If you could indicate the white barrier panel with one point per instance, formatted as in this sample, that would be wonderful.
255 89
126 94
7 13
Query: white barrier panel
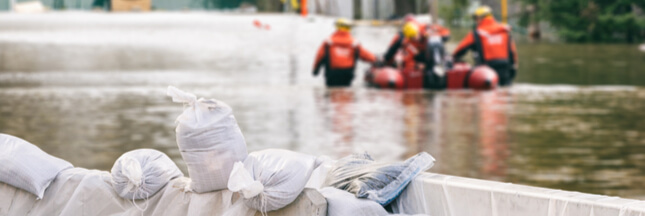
440 195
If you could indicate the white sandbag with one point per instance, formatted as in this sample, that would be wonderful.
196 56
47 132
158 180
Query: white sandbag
141 173
341 203
319 175
25 166
209 140
271 179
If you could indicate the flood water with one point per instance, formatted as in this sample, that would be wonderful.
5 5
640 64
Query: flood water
89 92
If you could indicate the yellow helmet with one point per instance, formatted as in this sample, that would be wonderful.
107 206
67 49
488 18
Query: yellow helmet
482 11
410 30
343 24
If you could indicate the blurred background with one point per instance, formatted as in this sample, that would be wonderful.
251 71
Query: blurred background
85 80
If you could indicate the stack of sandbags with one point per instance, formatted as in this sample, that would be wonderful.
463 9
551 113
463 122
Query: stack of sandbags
25 166
209 140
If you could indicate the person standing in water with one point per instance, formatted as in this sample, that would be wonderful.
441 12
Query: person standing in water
492 45
338 55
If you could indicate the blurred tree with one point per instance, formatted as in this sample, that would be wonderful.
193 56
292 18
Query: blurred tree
403 7
268 5
453 12
592 20
101 4
59 4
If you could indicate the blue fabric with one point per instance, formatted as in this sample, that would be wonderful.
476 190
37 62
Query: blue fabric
382 183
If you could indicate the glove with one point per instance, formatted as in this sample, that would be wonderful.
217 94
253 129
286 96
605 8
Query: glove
378 63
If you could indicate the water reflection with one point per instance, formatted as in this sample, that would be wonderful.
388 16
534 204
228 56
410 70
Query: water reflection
470 133
583 139
341 119
581 64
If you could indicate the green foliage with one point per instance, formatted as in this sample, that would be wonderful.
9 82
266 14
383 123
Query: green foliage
455 11
583 21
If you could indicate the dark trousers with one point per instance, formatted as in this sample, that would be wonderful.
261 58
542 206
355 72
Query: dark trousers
433 81
434 56
504 72
339 77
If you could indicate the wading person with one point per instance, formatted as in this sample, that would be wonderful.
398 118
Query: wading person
435 56
492 45
338 55
412 44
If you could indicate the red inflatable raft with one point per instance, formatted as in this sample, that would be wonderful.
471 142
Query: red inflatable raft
460 76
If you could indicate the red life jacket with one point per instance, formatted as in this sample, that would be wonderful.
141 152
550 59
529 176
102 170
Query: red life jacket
341 51
494 40
409 49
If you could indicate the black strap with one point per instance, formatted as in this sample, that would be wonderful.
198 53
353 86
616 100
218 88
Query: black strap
324 61
327 59
357 53
479 48
467 77
510 49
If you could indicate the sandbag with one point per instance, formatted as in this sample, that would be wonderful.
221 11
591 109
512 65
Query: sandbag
319 175
342 203
140 174
25 166
209 140
271 179
361 175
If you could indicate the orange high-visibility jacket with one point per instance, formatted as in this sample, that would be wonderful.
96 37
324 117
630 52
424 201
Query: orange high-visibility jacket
495 40
341 51
413 50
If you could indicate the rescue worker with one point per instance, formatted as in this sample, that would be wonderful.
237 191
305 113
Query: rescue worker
412 42
435 56
418 54
338 55
492 45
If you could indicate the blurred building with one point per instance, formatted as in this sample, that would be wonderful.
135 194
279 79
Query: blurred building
355 9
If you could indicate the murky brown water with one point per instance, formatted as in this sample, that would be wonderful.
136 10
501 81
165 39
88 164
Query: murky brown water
584 138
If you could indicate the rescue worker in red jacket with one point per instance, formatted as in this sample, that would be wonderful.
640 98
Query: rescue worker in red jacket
338 55
492 45
412 43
